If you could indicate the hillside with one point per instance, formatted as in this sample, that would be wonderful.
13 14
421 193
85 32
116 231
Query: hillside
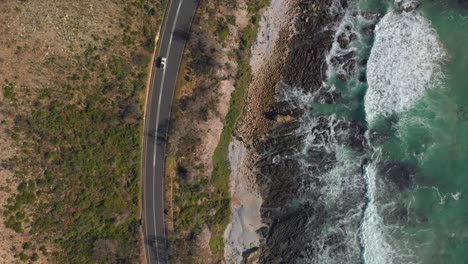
72 81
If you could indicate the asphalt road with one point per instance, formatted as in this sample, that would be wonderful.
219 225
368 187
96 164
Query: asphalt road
171 45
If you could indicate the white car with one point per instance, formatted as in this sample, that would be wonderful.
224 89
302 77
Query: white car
161 62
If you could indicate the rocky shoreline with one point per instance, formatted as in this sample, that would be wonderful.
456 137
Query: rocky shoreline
290 167
242 239
292 227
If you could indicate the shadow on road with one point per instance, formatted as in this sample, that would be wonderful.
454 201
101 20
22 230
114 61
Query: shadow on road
158 247
181 34
161 134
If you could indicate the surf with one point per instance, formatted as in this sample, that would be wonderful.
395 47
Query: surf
405 62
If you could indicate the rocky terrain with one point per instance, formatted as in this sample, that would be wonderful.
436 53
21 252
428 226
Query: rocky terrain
293 145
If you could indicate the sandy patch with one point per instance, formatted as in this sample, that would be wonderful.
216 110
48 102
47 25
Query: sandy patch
240 235
272 22
268 56
203 239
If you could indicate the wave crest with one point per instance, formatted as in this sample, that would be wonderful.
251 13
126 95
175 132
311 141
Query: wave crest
404 62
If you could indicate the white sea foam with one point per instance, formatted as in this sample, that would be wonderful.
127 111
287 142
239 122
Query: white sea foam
376 237
376 247
341 195
404 62
343 179
456 196
340 189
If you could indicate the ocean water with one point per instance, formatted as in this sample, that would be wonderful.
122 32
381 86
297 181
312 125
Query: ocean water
402 197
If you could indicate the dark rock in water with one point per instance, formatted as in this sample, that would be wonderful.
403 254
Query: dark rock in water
383 131
362 77
407 5
285 128
349 133
369 30
334 243
352 135
322 157
345 38
347 62
340 59
463 3
278 177
270 115
280 143
377 137
328 97
343 41
306 63
372 20
372 16
350 68
363 62
397 175
396 216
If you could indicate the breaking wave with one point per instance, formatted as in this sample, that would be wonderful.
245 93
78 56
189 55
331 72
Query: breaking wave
378 239
404 62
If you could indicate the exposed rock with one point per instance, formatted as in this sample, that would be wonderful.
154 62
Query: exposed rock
407 5
289 236
463 3
398 176
383 132
293 160
345 38
372 16
396 216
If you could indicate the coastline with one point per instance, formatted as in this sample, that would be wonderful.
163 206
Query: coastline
275 126
242 237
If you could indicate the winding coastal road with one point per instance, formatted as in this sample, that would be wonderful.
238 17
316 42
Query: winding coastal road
172 41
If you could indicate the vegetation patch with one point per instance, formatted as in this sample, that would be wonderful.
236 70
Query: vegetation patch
221 172
202 196
9 91
78 192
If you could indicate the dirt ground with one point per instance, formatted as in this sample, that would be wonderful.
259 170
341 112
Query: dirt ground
211 90
221 86
40 47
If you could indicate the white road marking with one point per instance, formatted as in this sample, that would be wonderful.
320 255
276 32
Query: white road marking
168 10
157 124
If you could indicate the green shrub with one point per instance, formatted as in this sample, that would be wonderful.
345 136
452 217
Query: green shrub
8 91
222 31
23 256
27 245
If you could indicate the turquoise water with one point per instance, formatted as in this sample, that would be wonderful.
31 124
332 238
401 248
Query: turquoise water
435 137
417 177
431 137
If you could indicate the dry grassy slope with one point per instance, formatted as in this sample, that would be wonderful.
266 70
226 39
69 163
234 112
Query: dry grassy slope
57 59
208 102
201 104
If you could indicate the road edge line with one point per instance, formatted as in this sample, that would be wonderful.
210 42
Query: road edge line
166 177
149 82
